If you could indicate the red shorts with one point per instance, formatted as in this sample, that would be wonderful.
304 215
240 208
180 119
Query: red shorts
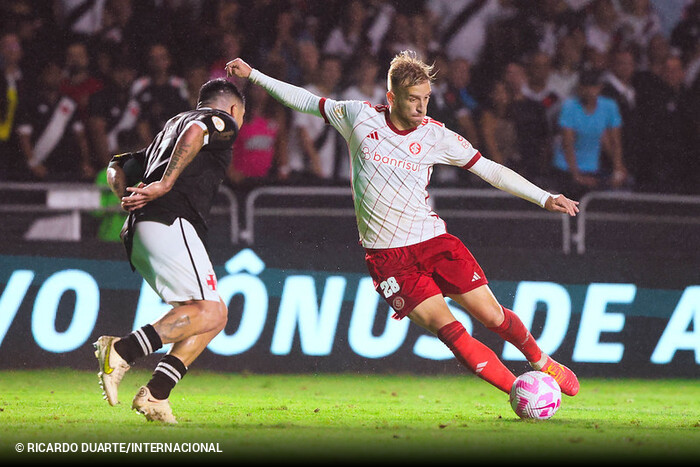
406 276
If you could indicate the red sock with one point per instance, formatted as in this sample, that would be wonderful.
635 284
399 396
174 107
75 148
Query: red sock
514 331
476 356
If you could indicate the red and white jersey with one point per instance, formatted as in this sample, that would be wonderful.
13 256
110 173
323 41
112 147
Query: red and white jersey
391 170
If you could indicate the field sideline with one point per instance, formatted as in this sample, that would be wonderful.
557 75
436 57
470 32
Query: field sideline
350 417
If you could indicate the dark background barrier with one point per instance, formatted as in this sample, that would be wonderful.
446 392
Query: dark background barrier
309 306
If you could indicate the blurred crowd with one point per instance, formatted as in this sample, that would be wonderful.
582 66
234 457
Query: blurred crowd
576 95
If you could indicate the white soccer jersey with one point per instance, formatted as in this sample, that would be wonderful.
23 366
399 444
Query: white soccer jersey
391 168
391 171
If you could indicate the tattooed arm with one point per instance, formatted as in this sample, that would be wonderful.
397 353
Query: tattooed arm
186 148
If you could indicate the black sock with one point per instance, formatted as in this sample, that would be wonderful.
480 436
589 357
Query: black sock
142 342
168 372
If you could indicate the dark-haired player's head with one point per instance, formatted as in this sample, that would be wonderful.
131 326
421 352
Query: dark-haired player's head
222 95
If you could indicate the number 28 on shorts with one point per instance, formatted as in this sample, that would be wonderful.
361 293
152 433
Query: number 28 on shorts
389 287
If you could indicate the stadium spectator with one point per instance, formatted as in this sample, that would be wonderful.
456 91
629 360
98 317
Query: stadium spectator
227 43
159 94
534 134
117 26
590 126
260 146
563 77
666 133
399 36
196 74
570 34
81 17
423 39
462 24
349 36
79 83
538 86
280 50
653 59
365 84
686 38
639 22
617 85
11 79
313 150
461 105
498 128
51 136
308 59
113 114
602 25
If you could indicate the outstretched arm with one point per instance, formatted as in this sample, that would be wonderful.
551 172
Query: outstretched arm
292 96
507 180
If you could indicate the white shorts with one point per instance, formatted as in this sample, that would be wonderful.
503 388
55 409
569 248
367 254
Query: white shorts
174 262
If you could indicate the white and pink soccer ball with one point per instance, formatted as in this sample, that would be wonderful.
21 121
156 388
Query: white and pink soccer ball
535 395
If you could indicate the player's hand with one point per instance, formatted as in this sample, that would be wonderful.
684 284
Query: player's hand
562 204
238 67
143 194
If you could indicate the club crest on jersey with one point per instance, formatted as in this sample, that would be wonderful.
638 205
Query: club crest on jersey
218 123
398 303
211 282
339 111
415 148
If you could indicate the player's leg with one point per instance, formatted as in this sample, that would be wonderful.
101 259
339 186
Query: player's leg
152 399
404 278
483 305
434 315
190 328
174 262
173 366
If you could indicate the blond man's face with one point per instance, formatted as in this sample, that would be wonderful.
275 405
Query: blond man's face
410 105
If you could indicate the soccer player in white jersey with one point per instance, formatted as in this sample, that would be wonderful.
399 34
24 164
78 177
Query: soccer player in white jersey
412 259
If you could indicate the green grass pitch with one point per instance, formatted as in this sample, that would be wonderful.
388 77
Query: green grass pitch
352 418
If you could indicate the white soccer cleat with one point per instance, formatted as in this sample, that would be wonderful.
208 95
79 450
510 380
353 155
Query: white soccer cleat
112 368
153 409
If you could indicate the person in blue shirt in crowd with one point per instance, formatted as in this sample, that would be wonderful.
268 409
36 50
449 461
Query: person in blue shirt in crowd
590 125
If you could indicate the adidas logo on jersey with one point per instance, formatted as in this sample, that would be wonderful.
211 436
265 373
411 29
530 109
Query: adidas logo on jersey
373 135
476 277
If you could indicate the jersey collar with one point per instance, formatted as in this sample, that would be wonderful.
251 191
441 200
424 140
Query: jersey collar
393 127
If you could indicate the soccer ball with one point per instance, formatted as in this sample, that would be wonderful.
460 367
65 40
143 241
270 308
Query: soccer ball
535 395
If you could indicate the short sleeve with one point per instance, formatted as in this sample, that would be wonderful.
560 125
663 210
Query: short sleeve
454 149
567 119
341 114
221 130
614 117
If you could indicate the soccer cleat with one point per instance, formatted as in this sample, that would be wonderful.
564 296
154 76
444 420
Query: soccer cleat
567 380
153 409
112 368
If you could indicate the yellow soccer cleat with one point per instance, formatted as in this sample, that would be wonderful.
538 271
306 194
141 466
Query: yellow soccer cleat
112 368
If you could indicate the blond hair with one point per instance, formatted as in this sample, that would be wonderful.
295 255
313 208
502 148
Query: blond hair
408 70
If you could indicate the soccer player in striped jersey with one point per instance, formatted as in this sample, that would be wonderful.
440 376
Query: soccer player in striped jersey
413 261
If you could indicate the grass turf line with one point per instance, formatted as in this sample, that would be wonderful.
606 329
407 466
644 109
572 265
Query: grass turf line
346 417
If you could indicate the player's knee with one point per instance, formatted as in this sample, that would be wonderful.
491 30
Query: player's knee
215 314
491 316
222 316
